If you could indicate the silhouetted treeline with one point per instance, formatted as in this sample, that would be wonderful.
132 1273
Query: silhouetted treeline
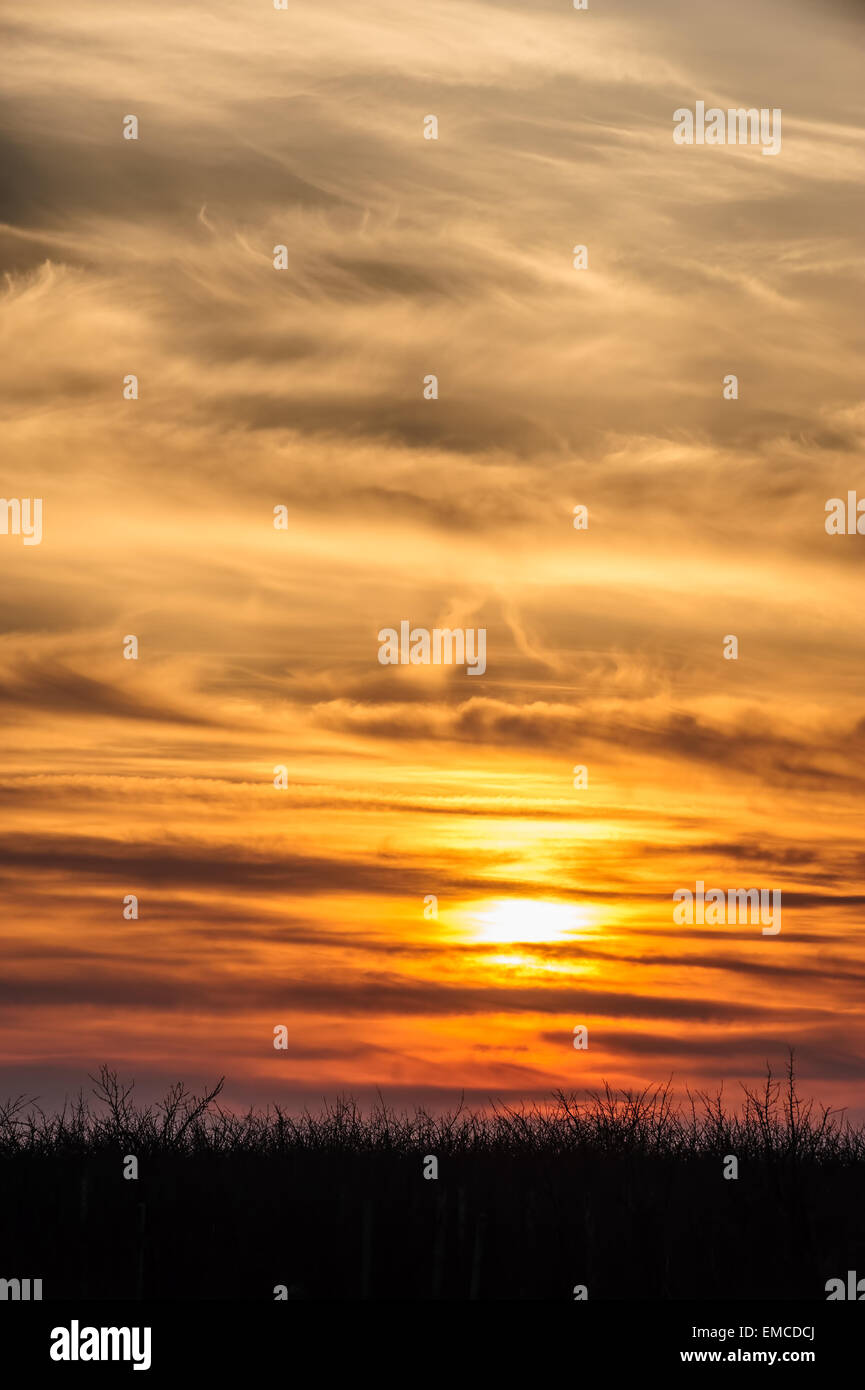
624 1193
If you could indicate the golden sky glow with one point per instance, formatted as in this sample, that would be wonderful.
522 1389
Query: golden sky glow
258 646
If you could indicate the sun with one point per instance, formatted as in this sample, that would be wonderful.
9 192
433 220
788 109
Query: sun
528 920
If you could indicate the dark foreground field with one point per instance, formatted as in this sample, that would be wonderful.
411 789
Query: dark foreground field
624 1194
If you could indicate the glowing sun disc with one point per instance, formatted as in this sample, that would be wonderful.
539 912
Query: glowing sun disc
527 920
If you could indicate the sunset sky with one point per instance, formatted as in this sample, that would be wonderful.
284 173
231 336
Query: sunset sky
258 647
